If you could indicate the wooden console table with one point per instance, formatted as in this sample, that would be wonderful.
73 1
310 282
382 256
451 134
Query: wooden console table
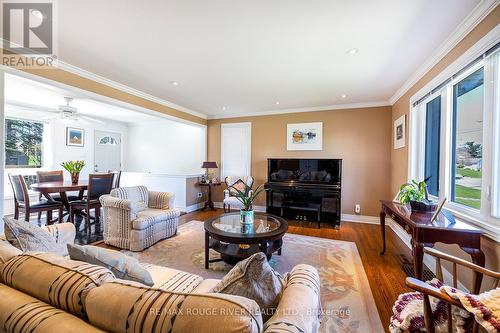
424 233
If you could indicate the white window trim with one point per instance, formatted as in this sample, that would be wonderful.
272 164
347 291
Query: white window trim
483 219
226 125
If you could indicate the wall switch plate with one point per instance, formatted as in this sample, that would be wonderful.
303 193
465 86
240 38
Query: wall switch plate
357 209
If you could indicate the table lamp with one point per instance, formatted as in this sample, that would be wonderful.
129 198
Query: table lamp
207 166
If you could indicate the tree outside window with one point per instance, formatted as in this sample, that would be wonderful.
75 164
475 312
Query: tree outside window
23 143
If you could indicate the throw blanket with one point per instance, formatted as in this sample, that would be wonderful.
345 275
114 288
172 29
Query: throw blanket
485 307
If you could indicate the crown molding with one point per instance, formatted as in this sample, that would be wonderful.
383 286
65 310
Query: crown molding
468 24
100 79
304 109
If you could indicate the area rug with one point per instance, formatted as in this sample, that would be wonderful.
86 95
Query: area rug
346 298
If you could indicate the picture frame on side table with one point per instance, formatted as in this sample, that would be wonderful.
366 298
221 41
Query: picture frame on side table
400 132
75 137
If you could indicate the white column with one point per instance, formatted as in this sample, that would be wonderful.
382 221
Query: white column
2 144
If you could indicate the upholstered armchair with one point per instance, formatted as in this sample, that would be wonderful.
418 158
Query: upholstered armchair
238 182
135 218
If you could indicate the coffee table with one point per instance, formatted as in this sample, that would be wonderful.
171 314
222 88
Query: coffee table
235 241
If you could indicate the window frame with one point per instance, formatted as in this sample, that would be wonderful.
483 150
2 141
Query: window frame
488 217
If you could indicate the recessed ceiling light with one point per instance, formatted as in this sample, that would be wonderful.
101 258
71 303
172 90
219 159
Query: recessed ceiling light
174 83
352 51
223 108
344 96
277 103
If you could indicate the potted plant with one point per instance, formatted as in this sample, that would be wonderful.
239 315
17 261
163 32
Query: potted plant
74 168
246 197
416 194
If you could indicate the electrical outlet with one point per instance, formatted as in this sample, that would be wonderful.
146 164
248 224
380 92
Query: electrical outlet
358 209
199 195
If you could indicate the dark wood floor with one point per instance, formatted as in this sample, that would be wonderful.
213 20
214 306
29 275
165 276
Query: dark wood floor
385 273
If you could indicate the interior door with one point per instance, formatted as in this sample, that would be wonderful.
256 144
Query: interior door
107 151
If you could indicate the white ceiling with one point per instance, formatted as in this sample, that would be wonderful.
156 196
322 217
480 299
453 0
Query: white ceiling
246 55
24 95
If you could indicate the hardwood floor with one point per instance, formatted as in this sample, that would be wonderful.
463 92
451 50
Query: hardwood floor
385 274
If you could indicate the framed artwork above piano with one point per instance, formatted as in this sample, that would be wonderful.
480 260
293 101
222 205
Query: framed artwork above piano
305 189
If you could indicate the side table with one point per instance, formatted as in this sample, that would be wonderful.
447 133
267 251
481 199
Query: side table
209 203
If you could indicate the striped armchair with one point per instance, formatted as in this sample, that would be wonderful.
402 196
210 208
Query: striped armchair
135 218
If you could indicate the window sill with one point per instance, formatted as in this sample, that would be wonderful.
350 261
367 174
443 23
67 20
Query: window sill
489 225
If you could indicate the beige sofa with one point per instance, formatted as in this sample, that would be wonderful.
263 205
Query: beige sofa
135 218
45 292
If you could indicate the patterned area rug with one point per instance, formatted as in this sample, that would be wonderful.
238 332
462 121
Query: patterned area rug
346 297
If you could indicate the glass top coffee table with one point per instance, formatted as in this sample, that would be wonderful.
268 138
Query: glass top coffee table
235 241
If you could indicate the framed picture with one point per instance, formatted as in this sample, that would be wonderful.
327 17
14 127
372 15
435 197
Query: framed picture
304 136
74 136
400 132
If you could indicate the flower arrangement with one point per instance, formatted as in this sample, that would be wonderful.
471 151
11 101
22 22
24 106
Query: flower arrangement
246 197
74 168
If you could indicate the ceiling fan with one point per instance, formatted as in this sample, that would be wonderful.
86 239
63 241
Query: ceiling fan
65 112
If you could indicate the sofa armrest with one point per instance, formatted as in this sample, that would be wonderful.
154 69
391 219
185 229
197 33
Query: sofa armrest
161 200
299 305
63 233
123 204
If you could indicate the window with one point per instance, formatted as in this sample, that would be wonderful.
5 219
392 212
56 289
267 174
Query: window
236 149
455 138
467 154
432 144
23 143
108 141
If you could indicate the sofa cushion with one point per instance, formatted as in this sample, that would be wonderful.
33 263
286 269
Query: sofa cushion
20 312
151 216
138 194
7 251
140 309
170 279
28 236
61 282
254 278
122 266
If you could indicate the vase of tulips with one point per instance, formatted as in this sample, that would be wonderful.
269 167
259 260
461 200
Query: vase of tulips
74 168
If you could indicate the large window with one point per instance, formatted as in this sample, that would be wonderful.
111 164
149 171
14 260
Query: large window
455 139
468 101
23 143
236 147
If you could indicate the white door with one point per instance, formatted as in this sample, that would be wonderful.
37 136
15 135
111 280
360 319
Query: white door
107 151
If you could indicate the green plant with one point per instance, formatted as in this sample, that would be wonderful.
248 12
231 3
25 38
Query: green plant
247 196
73 166
413 191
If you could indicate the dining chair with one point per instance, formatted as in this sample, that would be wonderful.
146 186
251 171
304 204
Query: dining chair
116 179
99 184
49 177
22 201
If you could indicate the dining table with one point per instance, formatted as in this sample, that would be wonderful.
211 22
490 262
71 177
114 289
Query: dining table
61 187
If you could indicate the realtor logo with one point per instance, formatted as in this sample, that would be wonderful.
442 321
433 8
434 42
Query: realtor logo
27 28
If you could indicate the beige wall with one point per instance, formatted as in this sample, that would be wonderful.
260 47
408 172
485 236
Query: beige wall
361 137
399 158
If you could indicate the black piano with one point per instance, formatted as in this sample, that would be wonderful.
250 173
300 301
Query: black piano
305 189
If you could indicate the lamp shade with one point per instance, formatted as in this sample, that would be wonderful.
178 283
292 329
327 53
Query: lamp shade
209 165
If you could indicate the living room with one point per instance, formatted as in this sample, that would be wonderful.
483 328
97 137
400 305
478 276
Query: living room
251 167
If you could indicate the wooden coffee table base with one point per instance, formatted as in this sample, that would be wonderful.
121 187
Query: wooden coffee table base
233 253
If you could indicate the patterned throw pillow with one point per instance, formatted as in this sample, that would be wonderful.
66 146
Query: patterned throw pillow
122 266
255 279
238 185
28 236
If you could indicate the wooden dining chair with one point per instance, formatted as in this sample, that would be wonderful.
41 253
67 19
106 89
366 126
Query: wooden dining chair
99 184
430 291
22 201
116 179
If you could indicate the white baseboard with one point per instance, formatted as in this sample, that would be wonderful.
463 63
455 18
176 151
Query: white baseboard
192 208
360 218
